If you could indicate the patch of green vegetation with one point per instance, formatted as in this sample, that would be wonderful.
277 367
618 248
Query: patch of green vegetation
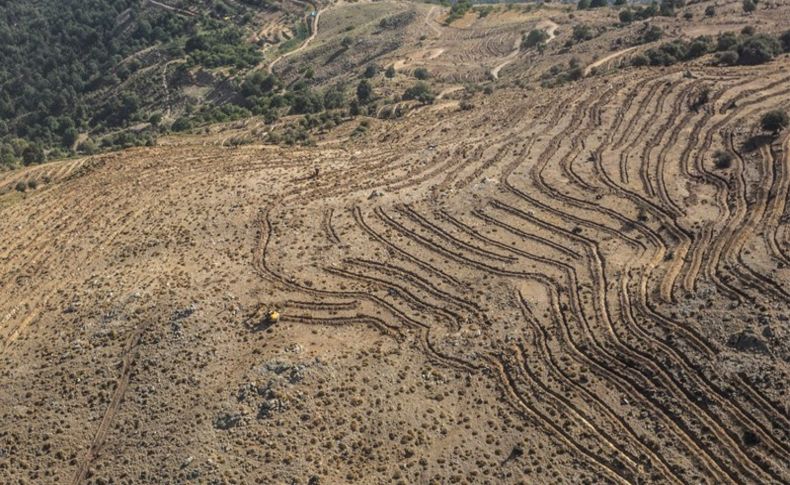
560 74
421 92
215 45
458 10
69 67
301 33
748 48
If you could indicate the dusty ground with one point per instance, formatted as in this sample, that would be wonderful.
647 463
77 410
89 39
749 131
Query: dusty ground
555 286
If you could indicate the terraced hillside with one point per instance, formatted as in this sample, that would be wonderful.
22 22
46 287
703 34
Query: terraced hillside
551 285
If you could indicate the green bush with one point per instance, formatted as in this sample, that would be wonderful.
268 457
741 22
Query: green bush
582 32
626 16
758 49
651 34
421 73
727 41
533 38
710 11
364 91
335 97
727 58
420 92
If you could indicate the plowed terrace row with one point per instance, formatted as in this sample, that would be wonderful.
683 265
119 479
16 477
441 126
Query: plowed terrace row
577 255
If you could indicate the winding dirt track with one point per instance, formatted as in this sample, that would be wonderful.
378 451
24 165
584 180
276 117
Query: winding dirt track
313 20
547 25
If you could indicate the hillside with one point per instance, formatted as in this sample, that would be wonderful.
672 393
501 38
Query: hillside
507 244
82 77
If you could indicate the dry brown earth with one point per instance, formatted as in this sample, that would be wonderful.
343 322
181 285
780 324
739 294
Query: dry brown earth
555 286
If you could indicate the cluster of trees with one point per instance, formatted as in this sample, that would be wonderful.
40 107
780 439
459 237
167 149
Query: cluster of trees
458 10
748 48
66 63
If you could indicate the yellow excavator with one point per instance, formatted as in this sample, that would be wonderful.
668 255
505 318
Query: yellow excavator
272 317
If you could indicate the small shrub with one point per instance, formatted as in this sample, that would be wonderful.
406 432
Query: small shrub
722 159
371 71
626 16
749 6
21 186
582 32
421 73
652 34
466 105
390 72
774 121
364 92
640 60
32 184
785 40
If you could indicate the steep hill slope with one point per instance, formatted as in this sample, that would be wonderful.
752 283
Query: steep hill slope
549 279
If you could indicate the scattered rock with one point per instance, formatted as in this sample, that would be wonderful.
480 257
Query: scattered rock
183 313
226 421
746 341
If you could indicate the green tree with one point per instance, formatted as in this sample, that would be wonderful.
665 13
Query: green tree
749 6
70 137
626 16
710 11
534 37
390 72
371 70
583 5
33 154
421 73
758 49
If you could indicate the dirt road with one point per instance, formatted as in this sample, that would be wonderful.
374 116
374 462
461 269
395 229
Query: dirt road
314 32
547 25
606 59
